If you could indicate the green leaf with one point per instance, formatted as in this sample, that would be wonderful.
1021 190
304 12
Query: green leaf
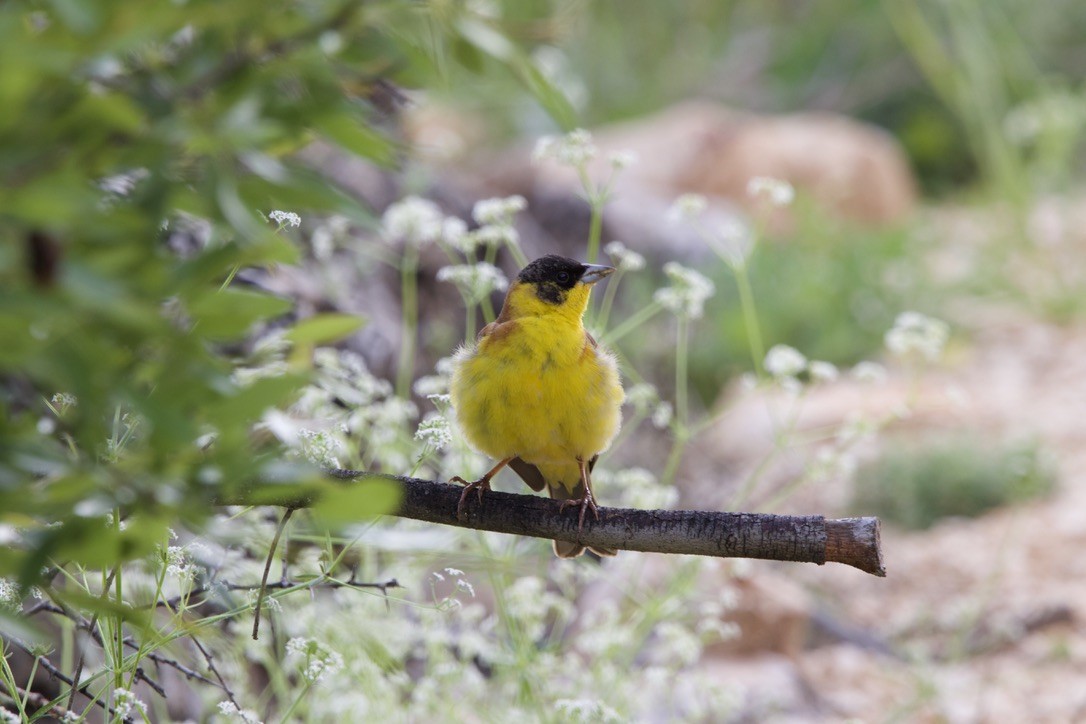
324 328
356 500
355 137
229 313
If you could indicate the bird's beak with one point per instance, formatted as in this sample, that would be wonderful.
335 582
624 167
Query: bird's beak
595 272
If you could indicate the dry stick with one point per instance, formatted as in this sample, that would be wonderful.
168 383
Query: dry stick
808 538
56 673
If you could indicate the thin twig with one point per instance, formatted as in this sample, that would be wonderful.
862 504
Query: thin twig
267 569
57 673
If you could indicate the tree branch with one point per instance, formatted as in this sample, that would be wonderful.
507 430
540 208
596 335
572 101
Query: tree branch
809 538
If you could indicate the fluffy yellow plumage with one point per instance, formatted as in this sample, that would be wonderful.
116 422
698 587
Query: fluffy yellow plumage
536 392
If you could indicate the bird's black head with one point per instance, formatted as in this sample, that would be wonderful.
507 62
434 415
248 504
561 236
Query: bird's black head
554 275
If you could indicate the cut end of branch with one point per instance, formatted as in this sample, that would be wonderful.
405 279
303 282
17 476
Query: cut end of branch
856 542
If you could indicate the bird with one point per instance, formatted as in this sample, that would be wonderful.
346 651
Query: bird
537 393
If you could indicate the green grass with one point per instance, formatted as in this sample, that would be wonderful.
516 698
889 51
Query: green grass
916 484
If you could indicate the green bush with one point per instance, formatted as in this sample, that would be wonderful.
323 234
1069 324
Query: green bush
917 484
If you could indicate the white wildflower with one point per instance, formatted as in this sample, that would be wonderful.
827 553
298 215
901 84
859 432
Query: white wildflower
822 371
46 426
126 703
429 385
434 431
661 416
573 149
732 240
9 596
414 220
623 258
436 577
178 564
319 447
783 361
620 160
676 644
63 400
319 660
643 397
498 211
123 184
285 218
487 236
869 372
688 291
775 191
586 710
687 207
248 716
453 231
476 281
464 587
915 332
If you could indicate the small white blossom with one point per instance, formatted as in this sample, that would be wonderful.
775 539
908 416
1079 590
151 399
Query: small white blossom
676 645
319 660
248 716
586 711
285 218
732 240
498 211
869 372
414 220
64 400
9 596
319 447
464 587
643 397
661 416
126 703
476 281
429 385
776 191
915 332
688 291
687 207
620 160
434 431
453 231
573 149
623 258
822 371
784 361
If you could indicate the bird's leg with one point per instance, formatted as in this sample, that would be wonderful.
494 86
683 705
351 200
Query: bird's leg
587 501
480 485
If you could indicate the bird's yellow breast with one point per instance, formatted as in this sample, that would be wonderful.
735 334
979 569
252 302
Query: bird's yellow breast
541 390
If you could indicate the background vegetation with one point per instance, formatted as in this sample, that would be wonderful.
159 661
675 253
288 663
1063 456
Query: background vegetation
152 191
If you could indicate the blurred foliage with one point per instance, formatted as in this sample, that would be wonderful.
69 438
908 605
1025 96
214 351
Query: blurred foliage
919 483
952 81
127 125
830 289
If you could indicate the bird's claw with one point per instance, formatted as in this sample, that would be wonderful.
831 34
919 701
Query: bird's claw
586 503
480 486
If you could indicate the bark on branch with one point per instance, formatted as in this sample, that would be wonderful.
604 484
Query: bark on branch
808 538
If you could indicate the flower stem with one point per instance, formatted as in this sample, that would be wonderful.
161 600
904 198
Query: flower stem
631 323
682 359
409 300
750 317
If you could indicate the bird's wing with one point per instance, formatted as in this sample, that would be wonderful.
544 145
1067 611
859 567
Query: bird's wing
528 473
591 340
495 330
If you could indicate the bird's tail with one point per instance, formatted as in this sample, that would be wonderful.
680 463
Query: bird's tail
566 549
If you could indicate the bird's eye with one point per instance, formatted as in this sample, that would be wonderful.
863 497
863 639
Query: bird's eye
563 277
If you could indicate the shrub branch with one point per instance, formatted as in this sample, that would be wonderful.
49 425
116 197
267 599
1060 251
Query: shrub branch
808 538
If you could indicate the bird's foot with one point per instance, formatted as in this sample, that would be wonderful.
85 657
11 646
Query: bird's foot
586 503
480 486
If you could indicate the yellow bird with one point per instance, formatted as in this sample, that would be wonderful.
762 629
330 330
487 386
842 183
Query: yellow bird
537 393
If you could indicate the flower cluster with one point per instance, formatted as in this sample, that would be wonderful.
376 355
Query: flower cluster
688 291
285 218
917 333
319 660
573 149
775 191
624 259
126 704
435 431
230 709
783 361
475 281
414 220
